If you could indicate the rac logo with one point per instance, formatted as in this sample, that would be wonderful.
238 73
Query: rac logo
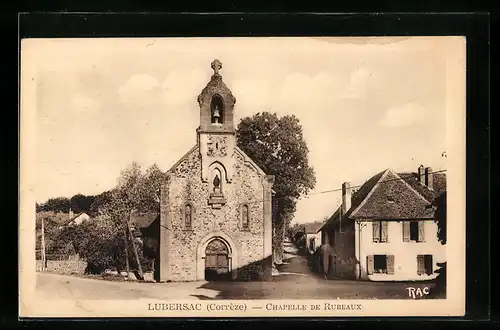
417 292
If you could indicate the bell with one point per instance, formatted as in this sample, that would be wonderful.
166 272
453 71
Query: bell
216 114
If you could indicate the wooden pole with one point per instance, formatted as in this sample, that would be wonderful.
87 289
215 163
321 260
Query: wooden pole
126 251
135 250
44 261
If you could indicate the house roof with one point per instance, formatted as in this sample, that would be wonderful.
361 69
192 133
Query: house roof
143 220
75 216
390 195
312 227
438 182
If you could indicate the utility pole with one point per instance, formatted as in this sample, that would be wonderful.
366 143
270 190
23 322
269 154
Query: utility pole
135 249
44 261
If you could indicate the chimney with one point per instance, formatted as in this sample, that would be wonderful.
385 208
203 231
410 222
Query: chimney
346 197
428 178
421 175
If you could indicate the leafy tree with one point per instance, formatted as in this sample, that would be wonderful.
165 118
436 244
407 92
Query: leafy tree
135 191
99 202
53 222
57 204
295 232
81 203
439 205
278 147
440 217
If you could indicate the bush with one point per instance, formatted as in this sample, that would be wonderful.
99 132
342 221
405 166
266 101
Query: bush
101 243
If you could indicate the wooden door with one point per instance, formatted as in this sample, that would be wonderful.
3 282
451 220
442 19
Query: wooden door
217 261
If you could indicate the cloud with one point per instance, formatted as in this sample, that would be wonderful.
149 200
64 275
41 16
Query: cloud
83 103
251 96
358 83
407 114
136 86
183 86
301 92
138 83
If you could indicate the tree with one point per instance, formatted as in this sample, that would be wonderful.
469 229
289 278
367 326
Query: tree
278 147
153 181
99 203
53 222
57 204
135 191
81 203
440 217
439 205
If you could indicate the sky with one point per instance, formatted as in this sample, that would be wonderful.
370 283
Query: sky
365 104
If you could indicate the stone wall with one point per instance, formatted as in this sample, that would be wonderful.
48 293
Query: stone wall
184 244
72 266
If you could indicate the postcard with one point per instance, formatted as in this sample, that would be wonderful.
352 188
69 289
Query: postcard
242 177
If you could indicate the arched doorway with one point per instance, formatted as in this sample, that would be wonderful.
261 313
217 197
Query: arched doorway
217 261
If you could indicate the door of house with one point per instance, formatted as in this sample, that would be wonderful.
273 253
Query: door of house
217 261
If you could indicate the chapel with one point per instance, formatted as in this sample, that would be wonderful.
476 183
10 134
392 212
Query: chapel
215 220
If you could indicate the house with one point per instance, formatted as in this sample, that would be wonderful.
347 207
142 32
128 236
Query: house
145 226
386 231
79 218
313 236
75 219
216 207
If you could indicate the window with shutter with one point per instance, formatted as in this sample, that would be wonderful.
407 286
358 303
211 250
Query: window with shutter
385 231
414 231
420 264
380 263
421 231
406 231
369 265
376 231
390 264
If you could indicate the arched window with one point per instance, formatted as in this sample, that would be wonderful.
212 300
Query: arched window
188 216
217 110
245 217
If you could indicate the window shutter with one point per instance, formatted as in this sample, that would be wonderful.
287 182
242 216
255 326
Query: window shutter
421 231
385 233
376 231
420 264
428 265
406 231
390 264
369 265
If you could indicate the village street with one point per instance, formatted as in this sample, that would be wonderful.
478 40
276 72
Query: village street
295 281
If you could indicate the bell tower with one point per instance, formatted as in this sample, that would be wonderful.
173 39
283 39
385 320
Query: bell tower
216 134
216 104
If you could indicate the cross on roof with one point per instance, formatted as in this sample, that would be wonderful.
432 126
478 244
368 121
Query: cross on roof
216 66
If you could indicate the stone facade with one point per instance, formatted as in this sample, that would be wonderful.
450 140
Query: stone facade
67 267
215 192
